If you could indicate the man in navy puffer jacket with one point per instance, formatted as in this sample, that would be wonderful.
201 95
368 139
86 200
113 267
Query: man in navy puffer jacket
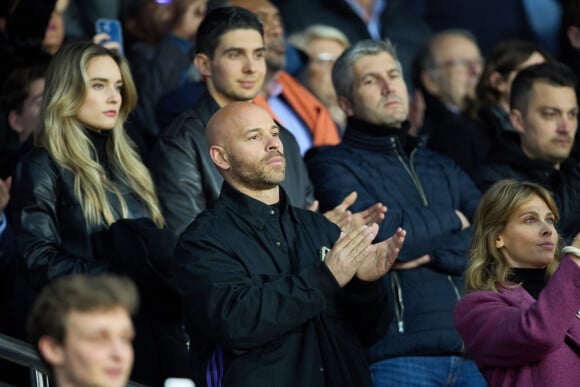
427 194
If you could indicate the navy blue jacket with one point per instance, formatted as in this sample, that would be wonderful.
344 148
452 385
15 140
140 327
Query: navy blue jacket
421 190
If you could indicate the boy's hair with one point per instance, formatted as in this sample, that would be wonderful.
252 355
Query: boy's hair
80 293
220 21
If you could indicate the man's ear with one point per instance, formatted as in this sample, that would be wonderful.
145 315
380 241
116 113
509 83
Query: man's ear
219 157
573 33
51 351
203 64
14 121
345 105
429 82
517 120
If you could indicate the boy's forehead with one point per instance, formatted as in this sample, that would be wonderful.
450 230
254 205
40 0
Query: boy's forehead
240 37
94 318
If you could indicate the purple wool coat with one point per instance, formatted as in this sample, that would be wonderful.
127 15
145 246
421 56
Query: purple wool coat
519 341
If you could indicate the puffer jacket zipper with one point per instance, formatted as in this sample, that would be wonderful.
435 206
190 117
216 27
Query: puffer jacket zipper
410 168
399 303
458 296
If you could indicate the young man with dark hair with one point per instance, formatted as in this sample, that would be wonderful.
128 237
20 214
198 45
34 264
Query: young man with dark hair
544 111
231 59
81 326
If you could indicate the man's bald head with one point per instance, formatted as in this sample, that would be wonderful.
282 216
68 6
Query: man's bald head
227 119
244 144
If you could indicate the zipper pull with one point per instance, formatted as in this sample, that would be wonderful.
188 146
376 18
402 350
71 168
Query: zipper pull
401 325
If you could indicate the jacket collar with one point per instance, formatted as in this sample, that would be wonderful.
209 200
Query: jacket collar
374 137
252 210
205 106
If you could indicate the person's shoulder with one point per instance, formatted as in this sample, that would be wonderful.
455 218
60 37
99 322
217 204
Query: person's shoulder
435 157
38 157
38 168
498 170
184 125
211 223
216 217
192 120
37 153
326 153
482 300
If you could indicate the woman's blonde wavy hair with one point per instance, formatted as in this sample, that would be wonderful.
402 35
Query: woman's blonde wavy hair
64 137
487 269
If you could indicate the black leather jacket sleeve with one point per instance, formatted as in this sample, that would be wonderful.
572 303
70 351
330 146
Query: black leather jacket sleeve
184 174
44 216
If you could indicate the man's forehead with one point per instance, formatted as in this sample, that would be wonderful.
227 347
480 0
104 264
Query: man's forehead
453 44
544 93
249 119
382 61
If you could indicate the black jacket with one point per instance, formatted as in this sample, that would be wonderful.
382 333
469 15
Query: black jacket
468 141
55 240
187 179
510 162
258 320
52 234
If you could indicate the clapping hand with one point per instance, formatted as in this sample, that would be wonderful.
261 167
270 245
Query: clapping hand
347 221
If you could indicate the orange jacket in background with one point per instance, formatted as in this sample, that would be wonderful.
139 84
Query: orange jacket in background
312 112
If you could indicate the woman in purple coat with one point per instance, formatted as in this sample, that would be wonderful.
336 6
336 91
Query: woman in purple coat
521 319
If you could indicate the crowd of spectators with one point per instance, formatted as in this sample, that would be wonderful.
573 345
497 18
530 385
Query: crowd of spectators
389 114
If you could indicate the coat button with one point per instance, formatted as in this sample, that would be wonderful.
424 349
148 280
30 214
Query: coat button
278 244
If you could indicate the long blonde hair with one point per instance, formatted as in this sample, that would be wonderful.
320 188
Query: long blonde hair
63 136
487 269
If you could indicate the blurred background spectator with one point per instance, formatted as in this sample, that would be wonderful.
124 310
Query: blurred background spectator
321 45
363 19
492 21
